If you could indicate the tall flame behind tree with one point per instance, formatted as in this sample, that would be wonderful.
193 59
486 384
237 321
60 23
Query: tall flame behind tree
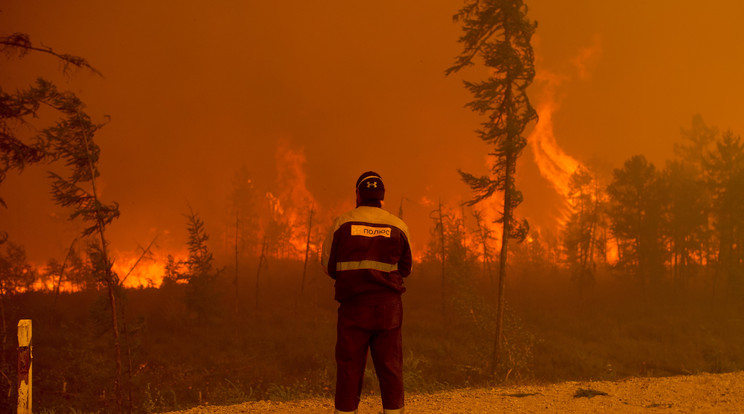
71 139
499 32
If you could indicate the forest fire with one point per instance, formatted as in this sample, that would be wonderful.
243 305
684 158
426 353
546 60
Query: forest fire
555 165
233 131
293 207
143 271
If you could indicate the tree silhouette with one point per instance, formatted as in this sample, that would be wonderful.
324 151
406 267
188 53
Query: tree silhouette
484 236
201 292
243 215
71 139
636 219
439 239
580 234
500 33
16 152
447 248
277 229
21 45
686 221
725 171
693 153
696 143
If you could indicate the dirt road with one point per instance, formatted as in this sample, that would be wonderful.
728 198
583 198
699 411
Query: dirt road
705 393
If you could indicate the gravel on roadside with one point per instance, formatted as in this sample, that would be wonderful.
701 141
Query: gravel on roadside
703 393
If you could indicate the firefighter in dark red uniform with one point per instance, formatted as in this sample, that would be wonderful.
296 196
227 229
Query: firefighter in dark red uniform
368 254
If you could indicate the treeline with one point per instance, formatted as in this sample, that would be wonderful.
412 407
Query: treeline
670 228
656 233
258 322
666 227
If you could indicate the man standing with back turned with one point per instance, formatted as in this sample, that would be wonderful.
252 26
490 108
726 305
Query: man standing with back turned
368 254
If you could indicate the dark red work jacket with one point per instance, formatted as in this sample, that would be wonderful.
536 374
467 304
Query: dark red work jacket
368 252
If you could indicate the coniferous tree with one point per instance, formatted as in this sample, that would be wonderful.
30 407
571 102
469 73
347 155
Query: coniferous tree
725 172
439 236
16 152
581 230
447 248
21 45
484 236
696 143
244 217
71 139
686 221
499 32
276 228
200 274
636 219
693 154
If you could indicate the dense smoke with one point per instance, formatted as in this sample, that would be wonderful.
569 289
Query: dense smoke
194 94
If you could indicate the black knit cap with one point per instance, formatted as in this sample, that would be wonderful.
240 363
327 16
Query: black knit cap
370 186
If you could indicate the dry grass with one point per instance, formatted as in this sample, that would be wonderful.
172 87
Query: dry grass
284 349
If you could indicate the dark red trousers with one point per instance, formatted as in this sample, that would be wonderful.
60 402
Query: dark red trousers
374 324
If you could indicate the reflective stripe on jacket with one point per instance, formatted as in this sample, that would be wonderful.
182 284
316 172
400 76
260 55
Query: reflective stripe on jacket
367 251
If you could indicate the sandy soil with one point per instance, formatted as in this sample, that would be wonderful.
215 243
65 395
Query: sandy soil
705 393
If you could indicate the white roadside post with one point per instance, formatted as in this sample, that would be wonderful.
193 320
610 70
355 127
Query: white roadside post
24 366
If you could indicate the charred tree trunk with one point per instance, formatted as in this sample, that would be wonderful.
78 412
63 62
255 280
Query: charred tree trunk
110 281
442 259
117 345
499 32
126 329
112 284
236 306
61 275
129 357
500 298
261 260
307 250
3 360
484 235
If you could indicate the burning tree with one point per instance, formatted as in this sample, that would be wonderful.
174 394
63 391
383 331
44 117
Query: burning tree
499 32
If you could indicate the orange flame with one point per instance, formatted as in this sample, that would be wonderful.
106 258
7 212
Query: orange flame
149 272
293 201
555 165
291 175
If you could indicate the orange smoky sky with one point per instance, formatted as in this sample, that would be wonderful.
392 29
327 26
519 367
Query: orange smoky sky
197 90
